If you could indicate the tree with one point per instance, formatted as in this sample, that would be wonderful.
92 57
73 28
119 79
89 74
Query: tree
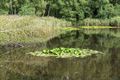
27 9
101 8
73 10
3 7
117 10
114 2
39 6
106 11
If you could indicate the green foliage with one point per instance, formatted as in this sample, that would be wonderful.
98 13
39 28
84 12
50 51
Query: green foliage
114 2
115 21
95 22
117 10
73 10
106 11
65 52
3 11
27 10
39 6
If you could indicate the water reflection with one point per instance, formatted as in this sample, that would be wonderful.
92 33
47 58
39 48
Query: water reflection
15 65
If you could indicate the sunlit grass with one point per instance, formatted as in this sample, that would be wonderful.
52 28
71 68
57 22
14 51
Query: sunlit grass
96 27
87 27
69 28
105 30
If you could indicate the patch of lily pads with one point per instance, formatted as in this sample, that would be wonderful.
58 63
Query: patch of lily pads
65 52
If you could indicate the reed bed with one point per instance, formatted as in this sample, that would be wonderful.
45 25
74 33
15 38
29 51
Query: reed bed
17 29
114 22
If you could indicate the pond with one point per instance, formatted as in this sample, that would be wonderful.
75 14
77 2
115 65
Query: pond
16 65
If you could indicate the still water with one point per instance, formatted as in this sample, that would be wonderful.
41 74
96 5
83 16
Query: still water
16 65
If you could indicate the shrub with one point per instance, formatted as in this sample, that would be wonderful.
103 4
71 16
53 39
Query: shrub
105 22
94 22
27 10
115 21
3 11
90 22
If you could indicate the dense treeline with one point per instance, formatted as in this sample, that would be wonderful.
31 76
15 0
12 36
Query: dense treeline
68 9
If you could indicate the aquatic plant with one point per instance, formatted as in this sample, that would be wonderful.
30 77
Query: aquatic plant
65 52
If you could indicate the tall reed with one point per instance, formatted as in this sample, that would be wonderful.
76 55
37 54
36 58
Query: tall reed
14 29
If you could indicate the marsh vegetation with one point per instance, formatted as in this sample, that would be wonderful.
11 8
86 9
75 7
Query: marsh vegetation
23 29
35 61
59 39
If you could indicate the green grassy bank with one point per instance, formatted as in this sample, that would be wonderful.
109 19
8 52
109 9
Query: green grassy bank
28 29
14 29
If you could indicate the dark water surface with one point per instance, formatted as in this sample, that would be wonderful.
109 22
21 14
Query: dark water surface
16 65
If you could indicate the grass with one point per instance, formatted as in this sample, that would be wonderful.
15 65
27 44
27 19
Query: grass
96 27
87 27
114 22
16 29
105 31
27 29
66 52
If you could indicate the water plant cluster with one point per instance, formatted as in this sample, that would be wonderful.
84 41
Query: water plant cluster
65 52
